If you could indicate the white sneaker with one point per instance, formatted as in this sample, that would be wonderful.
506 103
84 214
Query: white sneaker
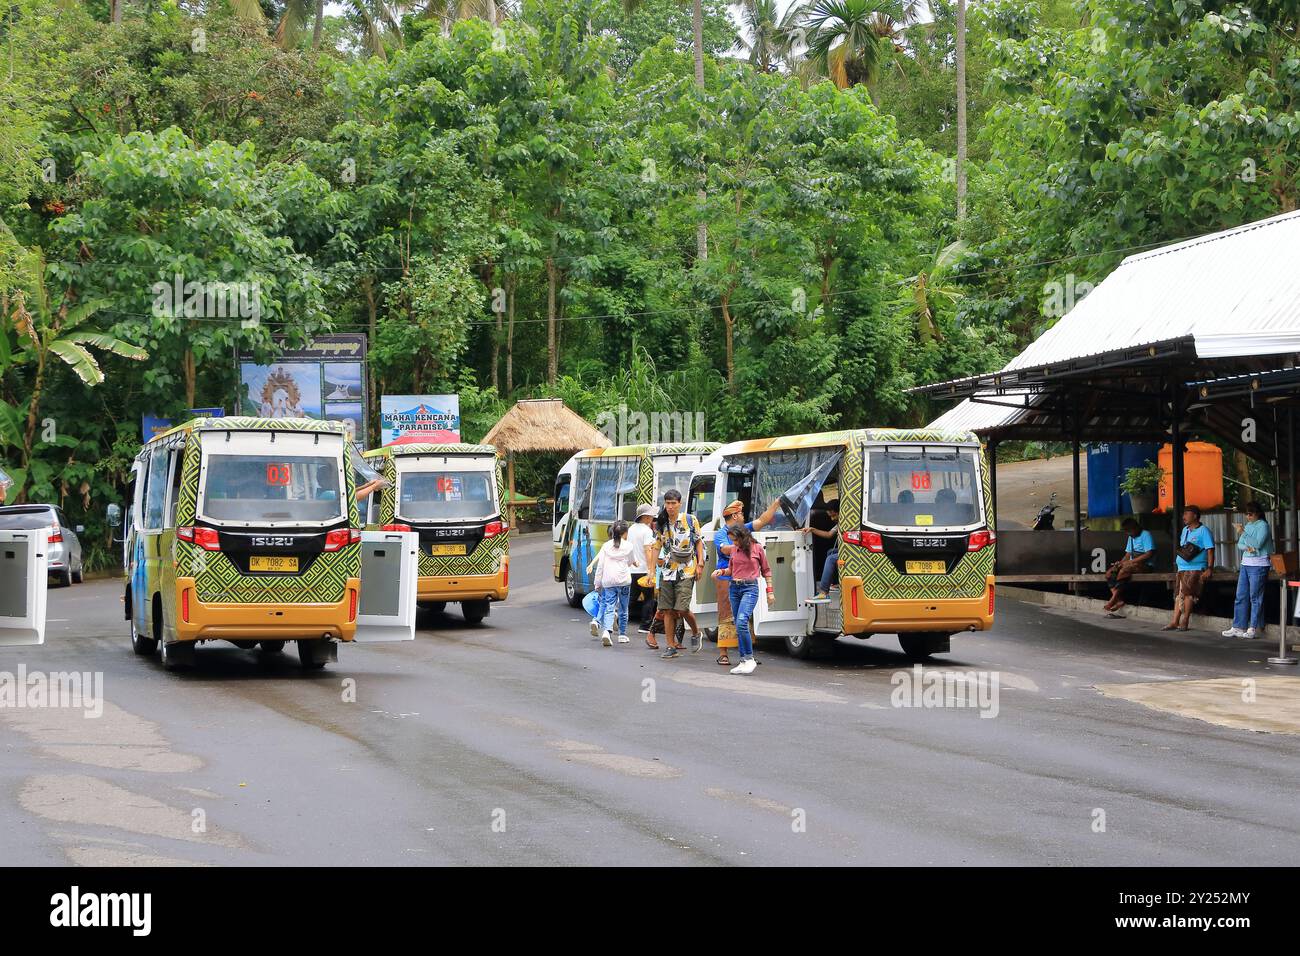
739 669
1250 634
595 629
624 639
748 666
605 640
1235 632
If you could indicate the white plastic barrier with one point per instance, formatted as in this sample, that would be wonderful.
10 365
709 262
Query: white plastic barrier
23 579
389 570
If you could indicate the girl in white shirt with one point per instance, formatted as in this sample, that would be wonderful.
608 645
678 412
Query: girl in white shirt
613 579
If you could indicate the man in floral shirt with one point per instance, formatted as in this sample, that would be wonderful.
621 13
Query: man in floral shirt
681 559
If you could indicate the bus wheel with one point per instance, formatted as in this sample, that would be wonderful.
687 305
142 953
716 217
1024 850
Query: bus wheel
271 647
571 592
144 646
799 646
177 655
315 654
475 611
918 647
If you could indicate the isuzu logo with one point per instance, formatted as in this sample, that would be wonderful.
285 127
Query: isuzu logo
272 541
929 542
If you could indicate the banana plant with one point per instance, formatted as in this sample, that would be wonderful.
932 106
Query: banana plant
45 330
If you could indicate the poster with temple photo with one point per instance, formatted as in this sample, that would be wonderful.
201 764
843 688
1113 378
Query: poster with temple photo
326 378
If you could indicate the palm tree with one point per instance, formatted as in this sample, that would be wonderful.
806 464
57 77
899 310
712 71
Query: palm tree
769 37
380 23
45 328
849 41
961 110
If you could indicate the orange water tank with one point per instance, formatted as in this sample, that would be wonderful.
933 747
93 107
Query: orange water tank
1202 476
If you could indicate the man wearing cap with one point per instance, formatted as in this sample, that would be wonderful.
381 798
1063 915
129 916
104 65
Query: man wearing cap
733 514
641 537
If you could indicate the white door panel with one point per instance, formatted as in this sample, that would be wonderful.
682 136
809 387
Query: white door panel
23 581
389 572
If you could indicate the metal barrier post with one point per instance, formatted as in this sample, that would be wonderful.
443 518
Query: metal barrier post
1282 657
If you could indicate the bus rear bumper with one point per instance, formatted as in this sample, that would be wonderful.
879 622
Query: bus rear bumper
863 615
197 621
465 587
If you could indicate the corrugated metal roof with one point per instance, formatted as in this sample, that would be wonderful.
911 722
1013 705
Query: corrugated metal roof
1234 293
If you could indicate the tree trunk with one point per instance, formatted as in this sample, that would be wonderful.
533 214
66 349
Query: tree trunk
319 26
372 393
33 415
191 374
728 324
1241 465
961 110
116 11
496 335
552 350
510 336
492 11
697 28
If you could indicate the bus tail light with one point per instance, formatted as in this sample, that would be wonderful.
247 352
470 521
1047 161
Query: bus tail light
352 604
185 605
397 526
853 600
870 540
494 528
981 539
340 538
991 589
505 574
205 538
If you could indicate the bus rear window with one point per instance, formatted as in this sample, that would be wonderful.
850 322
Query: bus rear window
925 487
273 488
446 495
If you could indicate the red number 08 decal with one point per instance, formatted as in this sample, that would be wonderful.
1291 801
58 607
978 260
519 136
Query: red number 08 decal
921 480
277 474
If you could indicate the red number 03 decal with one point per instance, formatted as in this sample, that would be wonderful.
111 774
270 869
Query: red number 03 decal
277 474
921 480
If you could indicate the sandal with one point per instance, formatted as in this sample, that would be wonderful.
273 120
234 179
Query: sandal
723 659
650 643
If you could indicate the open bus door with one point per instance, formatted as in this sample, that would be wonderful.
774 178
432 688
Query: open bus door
23 582
389 577
790 554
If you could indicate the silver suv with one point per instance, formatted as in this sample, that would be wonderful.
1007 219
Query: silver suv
64 551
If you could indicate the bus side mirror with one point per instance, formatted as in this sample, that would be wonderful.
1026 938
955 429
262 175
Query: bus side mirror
114 515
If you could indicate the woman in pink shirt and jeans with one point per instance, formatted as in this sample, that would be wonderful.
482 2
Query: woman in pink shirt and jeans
748 565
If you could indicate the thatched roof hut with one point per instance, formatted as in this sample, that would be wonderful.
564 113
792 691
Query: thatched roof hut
543 425
540 425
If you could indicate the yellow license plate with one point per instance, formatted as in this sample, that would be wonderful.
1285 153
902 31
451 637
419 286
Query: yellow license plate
283 565
443 549
926 567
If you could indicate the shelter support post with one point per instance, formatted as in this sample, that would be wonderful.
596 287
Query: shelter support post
1078 506
1176 444
993 490
1291 479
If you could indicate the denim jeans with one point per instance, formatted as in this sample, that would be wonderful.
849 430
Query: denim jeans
1248 611
829 570
744 595
612 601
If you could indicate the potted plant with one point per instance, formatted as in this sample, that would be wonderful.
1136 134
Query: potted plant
1140 484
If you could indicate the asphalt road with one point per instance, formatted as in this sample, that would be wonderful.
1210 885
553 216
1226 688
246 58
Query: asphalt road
523 741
